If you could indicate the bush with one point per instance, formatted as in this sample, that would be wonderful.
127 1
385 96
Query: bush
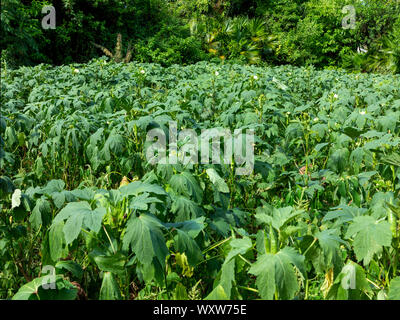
171 45
21 33
78 24
310 32
294 32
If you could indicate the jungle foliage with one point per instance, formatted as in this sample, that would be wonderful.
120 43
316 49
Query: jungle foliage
299 32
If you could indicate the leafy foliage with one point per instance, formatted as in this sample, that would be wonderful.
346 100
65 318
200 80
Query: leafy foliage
318 218
276 32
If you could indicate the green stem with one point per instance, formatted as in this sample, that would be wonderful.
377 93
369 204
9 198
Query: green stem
109 239
314 241
307 285
249 289
244 259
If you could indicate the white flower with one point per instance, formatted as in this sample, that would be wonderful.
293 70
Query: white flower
142 71
288 112
76 70
216 73
255 77
335 96
362 112
316 119
16 198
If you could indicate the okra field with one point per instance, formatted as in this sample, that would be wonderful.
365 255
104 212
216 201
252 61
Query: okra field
317 218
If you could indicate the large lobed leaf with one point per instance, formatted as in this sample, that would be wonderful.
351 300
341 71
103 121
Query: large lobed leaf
79 215
277 272
144 235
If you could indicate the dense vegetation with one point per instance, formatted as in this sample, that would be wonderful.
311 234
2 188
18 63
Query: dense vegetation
297 32
317 219
84 214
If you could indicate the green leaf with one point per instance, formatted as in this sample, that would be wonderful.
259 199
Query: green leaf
217 181
217 294
338 160
329 241
29 289
33 290
137 187
227 277
144 236
58 198
83 194
109 288
72 228
187 185
41 213
53 186
262 242
378 204
141 202
192 227
394 289
186 244
278 217
369 236
239 246
227 272
392 159
353 132
56 240
351 283
6 186
180 292
264 270
319 146
78 215
276 272
70 266
185 208
114 263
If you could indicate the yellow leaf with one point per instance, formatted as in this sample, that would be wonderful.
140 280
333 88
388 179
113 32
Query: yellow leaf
181 260
328 282
124 182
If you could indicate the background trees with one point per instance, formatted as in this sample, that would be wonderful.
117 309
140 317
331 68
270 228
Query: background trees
299 32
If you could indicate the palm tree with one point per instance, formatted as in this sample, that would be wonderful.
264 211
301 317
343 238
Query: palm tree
117 55
387 57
